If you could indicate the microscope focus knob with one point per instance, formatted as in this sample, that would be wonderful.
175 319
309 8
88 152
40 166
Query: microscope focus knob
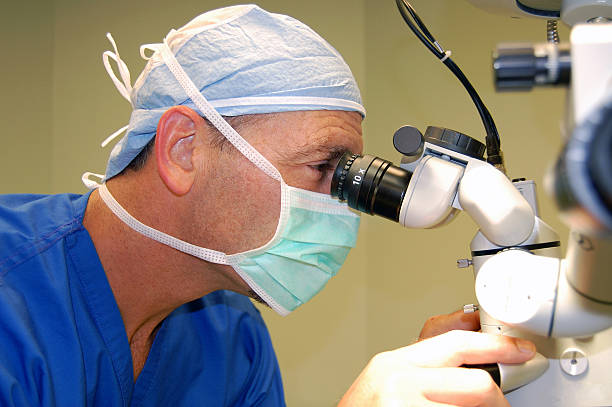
408 141
456 141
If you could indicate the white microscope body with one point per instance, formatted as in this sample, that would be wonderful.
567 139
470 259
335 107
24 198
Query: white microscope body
524 285
563 304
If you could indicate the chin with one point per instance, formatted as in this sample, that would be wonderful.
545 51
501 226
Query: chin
257 298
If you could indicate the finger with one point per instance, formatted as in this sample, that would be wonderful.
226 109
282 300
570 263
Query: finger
458 347
421 403
431 403
463 387
440 324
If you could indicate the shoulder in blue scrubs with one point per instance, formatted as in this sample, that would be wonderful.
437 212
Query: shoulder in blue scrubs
62 339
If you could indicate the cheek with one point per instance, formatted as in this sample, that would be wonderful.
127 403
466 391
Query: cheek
325 184
259 205
247 209
260 198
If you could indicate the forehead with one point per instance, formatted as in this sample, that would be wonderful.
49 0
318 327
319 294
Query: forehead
312 134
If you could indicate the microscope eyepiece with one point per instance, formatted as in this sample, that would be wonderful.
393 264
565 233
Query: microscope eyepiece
375 186
370 184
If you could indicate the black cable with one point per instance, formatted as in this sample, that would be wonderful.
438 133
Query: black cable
420 22
423 35
428 40
492 138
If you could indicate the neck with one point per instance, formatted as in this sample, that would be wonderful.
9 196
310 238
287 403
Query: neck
148 279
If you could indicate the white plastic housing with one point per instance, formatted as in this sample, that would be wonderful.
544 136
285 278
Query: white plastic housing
513 376
532 293
510 8
501 212
591 67
542 233
575 314
572 11
580 11
527 188
430 194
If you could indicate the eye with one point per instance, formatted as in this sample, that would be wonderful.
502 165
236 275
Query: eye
322 167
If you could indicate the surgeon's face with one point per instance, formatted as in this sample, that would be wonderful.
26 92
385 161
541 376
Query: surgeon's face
242 203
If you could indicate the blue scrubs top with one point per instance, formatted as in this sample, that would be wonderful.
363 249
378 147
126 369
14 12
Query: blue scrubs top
62 339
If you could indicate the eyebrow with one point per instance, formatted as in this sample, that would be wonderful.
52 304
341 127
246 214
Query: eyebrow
330 153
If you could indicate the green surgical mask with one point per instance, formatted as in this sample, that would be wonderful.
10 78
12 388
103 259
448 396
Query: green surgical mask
313 238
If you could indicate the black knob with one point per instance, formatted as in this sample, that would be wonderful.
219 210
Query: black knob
408 141
453 140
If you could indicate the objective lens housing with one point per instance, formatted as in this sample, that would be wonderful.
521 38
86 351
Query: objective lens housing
523 66
581 181
370 184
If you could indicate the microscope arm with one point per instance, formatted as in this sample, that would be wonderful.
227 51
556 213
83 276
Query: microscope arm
444 181
503 215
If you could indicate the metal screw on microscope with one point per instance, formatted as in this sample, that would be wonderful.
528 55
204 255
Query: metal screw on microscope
470 308
463 263
574 362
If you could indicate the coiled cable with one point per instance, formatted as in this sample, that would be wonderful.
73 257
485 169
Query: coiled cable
552 31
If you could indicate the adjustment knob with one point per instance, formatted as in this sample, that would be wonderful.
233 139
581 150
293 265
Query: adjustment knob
408 141
453 140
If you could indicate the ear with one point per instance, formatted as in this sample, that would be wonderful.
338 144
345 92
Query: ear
174 148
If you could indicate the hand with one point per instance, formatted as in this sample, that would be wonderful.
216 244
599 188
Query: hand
439 324
426 373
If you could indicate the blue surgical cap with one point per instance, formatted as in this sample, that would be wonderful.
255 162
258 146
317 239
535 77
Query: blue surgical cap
244 60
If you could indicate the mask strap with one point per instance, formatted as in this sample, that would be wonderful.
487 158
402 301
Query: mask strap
114 136
213 116
148 47
212 256
124 86
90 183
86 177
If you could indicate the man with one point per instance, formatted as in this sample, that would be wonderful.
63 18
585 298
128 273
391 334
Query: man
133 294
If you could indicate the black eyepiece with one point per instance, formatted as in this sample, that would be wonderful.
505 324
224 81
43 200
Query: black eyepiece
370 184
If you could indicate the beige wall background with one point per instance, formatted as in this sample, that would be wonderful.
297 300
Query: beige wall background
58 104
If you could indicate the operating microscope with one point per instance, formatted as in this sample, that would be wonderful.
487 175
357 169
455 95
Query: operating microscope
524 285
